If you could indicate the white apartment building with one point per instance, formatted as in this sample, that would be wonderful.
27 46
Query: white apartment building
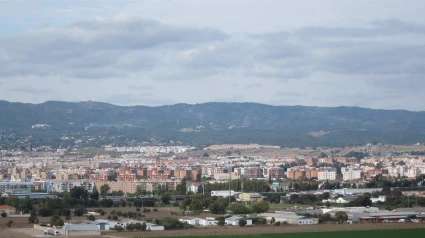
396 171
351 174
326 174
66 186
413 172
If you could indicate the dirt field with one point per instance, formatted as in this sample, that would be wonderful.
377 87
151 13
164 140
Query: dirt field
217 231
21 222
8 233
310 152
266 230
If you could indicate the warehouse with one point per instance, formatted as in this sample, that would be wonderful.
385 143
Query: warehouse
291 219
381 217
81 229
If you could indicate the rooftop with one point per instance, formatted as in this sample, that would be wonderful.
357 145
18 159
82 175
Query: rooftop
81 227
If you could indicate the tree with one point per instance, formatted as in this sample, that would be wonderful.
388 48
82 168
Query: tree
171 223
206 155
94 194
140 226
228 153
106 203
91 218
198 178
274 198
242 222
260 207
239 208
362 200
221 221
165 198
56 221
78 211
33 219
45 212
218 206
181 188
9 224
273 220
104 189
118 228
325 195
323 155
130 227
196 205
341 216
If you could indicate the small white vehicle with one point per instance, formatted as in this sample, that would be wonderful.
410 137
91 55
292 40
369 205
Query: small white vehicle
52 232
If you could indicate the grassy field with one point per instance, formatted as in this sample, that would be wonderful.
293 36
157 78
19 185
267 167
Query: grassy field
339 234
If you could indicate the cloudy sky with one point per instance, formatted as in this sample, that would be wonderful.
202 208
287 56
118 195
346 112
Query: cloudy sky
281 52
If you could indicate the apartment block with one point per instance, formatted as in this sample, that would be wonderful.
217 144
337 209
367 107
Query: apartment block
326 174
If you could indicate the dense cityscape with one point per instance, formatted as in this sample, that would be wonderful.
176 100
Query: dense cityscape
192 186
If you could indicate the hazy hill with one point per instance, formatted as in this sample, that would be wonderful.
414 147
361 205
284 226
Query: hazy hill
215 119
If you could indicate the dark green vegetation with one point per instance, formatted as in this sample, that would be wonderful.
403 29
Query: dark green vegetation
339 234
208 123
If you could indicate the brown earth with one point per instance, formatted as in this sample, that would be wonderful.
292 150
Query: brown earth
21 222
7 233
217 231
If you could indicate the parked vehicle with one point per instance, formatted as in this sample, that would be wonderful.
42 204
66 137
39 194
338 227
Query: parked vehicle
52 232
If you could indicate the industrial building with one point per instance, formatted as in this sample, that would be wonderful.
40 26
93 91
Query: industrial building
290 218
223 193
81 229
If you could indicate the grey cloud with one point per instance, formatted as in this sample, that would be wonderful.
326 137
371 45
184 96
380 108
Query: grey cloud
372 29
358 98
288 94
254 85
32 90
132 99
304 51
140 87
99 48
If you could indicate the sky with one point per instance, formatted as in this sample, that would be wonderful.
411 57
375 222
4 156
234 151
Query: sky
160 52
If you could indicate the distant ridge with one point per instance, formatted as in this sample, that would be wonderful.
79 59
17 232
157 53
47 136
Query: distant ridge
309 125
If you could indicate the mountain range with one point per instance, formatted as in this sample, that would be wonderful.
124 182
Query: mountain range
215 122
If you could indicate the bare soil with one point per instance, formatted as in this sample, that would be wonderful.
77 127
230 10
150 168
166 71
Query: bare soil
21 222
217 231
8 233
308 151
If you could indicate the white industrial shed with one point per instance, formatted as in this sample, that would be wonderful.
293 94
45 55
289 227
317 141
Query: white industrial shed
154 227
234 221
81 229
289 218
194 221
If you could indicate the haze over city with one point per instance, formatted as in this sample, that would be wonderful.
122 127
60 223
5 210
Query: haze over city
319 53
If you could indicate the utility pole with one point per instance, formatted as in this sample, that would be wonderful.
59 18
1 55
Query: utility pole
230 184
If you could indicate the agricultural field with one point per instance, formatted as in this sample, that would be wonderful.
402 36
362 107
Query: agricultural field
314 231
339 234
